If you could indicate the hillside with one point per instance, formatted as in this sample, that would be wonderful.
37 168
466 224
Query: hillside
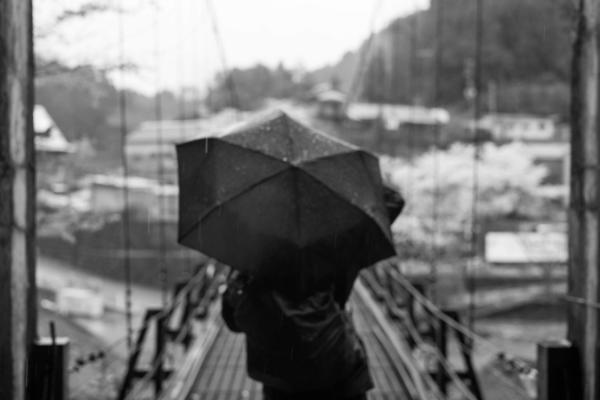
526 52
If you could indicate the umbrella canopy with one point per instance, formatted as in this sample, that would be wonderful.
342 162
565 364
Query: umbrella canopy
274 193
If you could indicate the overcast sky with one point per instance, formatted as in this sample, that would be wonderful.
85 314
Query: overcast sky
308 33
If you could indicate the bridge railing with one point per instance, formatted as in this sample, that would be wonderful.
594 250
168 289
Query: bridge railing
172 326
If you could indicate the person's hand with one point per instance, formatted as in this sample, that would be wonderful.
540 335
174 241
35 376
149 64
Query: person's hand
236 286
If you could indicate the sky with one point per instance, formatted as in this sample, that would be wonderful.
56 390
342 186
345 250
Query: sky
173 44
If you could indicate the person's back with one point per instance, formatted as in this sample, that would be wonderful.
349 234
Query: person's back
298 348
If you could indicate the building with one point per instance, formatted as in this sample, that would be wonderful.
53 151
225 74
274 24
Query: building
397 130
51 149
144 196
396 115
330 105
510 127
153 142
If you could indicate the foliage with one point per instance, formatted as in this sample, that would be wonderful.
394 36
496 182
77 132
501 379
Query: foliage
247 88
526 47
507 181
85 105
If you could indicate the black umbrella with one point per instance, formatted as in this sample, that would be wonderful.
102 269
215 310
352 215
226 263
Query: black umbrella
277 194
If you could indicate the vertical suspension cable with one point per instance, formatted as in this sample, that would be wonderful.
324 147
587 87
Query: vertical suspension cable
364 58
182 111
412 77
69 178
230 80
158 116
437 102
411 92
125 176
476 150
437 70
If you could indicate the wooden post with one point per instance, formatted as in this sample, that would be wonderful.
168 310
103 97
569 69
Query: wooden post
17 228
583 209
159 354
441 342
559 377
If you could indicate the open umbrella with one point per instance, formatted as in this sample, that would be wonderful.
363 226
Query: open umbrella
274 193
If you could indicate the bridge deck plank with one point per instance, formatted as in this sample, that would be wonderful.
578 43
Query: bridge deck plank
223 375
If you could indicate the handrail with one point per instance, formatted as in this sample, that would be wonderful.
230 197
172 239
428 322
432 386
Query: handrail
183 296
400 349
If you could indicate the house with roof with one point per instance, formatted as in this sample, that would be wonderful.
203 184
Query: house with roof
330 104
396 129
150 148
520 127
51 148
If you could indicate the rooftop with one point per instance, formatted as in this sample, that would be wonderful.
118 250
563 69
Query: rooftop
395 114
48 137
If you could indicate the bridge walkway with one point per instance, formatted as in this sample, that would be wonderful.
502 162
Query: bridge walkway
223 375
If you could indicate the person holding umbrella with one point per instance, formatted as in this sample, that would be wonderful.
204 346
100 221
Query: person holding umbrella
296 214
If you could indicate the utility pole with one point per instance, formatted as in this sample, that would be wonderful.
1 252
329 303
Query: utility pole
584 262
17 223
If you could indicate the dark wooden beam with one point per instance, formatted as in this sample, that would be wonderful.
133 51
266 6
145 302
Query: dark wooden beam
17 227
584 226
559 376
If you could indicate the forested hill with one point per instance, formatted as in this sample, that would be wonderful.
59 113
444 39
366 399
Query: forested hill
526 52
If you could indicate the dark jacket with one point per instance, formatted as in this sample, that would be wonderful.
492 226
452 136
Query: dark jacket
297 345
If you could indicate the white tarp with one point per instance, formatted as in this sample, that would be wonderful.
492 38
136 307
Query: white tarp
525 247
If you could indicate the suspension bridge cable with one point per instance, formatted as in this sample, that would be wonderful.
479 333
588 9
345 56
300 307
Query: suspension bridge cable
181 295
411 71
228 73
580 301
125 176
158 116
437 313
437 71
364 58
443 361
477 77
182 109
474 337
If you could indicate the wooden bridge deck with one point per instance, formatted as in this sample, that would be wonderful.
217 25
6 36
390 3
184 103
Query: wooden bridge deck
223 372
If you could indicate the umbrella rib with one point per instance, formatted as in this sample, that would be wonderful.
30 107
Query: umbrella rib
350 150
336 194
259 182
219 204
361 153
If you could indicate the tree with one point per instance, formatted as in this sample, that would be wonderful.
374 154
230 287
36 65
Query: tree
251 86
526 44
507 184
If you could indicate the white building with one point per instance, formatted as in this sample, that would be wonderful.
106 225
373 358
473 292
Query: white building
526 247
395 115
153 142
520 127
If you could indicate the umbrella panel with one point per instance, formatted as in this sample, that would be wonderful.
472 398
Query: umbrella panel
212 171
283 222
282 137
355 177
